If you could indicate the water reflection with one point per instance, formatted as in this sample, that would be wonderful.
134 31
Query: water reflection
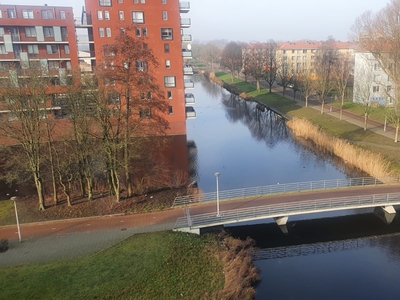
249 147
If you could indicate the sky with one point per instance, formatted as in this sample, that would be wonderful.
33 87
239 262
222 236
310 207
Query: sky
261 20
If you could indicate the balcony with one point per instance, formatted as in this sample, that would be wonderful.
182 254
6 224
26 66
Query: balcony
187 54
185 23
190 112
189 98
187 70
184 7
188 84
186 38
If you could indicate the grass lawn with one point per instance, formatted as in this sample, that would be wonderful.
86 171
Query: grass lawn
331 125
162 265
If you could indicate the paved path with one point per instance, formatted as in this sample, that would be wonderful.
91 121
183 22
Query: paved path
46 241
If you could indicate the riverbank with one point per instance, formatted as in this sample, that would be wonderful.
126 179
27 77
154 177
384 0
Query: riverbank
365 145
157 265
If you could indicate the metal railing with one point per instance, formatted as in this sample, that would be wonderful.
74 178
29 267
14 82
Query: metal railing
320 248
283 188
288 209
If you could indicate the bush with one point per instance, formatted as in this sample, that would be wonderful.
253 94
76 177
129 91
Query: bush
3 245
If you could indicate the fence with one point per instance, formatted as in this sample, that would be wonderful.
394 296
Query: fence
287 209
283 188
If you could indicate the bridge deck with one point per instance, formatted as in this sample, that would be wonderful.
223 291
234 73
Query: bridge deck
190 222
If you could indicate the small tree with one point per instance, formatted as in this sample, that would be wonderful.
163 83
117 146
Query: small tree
363 90
342 73
271 66
255 62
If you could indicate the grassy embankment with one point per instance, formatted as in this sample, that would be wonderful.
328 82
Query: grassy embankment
163 265
371 152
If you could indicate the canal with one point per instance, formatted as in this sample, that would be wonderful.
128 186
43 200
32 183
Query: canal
346 255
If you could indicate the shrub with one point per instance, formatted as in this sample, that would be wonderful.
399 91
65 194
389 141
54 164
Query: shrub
3 245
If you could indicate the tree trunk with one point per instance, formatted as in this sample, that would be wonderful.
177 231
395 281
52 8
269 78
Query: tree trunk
294 95
258 85
365 121
322 106
39 189
306 98
396 136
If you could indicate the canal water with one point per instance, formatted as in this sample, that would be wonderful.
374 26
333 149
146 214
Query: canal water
347 255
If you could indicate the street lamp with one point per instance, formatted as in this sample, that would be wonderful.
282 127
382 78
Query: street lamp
14 199
216 176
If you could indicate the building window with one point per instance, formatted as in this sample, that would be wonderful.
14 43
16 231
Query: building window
101 32
66 49
145 46
144 112
1 14
377 78
99 15
167 64
163 1
388 88
105 2
166 48
113 98
170 110
141 65
169 95
3 49
135 1
120 1
142 1
377 67
298 57
62 15
146 96
166 33
64 32
51 49
137 17
121 15
304 51
106 15
108 32
169 81
109 82
165 15
144 31
30 31
138 32
27 13
11 13
48 31
33 49
375 89
47 14
1 31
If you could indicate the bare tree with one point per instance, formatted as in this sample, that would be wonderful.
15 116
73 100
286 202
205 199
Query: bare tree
325 60
210 53
271 66
131 105
343 75
255 61
25 100
379 35
231 58
363 88
306 83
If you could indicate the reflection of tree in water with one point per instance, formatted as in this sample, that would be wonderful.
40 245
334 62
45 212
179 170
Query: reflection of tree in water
212 89
193 163
263 126
309 152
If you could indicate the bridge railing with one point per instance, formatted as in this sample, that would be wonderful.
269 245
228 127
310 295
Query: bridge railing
283 188
287 209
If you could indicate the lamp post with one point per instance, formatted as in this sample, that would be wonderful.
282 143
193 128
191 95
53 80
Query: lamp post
216 176
14 199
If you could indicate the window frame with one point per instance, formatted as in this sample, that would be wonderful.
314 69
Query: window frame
29 14
170 81
46 13
135 19
105 2
50 31
30 31
51 47
167 34
63 15
34 49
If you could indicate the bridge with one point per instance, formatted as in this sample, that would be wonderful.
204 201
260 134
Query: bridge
284 207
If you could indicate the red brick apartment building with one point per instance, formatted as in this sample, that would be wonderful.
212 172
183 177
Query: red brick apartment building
46 35
160 22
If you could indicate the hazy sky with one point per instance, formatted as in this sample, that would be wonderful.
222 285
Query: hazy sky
261 20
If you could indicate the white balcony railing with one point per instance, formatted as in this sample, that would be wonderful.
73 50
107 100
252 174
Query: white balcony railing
189 98
185 22
184 7
190 112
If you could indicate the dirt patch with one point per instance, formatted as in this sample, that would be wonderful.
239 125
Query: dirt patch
28 208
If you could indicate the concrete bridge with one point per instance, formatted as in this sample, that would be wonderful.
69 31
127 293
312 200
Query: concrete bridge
281 207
